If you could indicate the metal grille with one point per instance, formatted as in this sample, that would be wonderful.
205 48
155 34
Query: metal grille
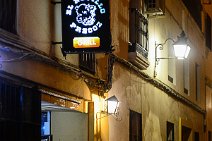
8 15
87 62
151 4
20 112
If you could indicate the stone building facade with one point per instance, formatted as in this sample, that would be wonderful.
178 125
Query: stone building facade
165 99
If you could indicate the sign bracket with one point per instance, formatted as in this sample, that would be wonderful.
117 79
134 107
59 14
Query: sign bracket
56 43
56 2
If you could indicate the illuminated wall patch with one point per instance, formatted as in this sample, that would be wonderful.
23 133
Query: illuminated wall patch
85 26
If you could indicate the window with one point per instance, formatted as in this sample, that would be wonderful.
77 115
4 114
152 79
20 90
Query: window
186 133
138 44
195 10
8 15
197 73
196 136
154 6
150 3
186 76
135 126
87 62
138 33
170 131
208 31
20 112
209 136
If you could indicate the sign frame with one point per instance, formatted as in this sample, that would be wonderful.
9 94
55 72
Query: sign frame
85 26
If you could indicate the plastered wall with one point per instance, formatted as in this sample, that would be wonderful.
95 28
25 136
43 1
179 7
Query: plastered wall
136 94
155 106
38 24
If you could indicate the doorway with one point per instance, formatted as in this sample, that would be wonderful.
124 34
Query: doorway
65 124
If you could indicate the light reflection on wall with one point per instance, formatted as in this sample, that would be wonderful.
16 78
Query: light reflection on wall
209 103
101 121
98 103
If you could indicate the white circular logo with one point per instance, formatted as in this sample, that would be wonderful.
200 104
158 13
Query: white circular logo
85 13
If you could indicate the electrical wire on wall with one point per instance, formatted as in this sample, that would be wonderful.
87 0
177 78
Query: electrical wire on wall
19 58
18 55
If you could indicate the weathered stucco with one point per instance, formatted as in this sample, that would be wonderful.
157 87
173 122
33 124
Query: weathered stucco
49 76
134 93
155 106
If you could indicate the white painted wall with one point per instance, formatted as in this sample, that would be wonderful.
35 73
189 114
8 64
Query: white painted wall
69 126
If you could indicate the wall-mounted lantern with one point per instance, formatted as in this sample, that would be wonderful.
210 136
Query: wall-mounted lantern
111 107
181 49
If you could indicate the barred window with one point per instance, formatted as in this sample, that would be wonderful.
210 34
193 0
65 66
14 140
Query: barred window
87 62
8 15
20 112
154 6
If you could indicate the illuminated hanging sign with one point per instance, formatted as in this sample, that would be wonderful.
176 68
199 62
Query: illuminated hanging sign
85 26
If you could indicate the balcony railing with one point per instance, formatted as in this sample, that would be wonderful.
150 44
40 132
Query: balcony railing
135 47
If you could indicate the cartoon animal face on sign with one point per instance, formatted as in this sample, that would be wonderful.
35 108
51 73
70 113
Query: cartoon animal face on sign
86 14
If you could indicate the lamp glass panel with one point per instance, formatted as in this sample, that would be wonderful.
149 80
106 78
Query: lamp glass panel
112 105
187 51
180 51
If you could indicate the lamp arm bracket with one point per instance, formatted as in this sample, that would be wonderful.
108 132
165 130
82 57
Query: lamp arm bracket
158 59
56 2
102 114
55 43
162 44
165 58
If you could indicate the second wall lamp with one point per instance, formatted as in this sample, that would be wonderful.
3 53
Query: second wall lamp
111 108
181 49
112 105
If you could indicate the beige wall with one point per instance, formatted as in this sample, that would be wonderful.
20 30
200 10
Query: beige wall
136 94
209 107
47 75
155 106
176 20
34 23
36 28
